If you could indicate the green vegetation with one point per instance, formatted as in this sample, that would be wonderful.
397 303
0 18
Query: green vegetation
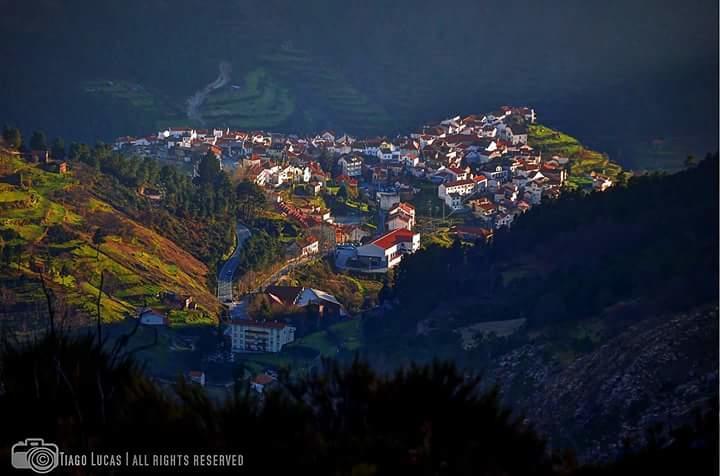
582 161
353 291
191 318
156 110
259 102
55 225
426 201
259 251
199 217
567 261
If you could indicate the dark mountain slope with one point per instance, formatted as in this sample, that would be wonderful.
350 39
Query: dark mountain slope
597 314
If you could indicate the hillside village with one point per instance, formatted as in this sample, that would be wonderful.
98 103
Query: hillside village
482 167
365 203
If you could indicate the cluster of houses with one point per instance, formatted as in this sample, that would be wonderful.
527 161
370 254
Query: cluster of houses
481 165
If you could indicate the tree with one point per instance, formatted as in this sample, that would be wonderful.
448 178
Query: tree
98 239
65 271
57 151
326 160
342 193
82 153
209 168
690 161
38 141
249 198
12 137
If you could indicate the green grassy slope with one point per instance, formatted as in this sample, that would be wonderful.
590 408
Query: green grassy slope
47 223
583 161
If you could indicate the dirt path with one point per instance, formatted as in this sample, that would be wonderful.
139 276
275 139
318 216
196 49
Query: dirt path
197 99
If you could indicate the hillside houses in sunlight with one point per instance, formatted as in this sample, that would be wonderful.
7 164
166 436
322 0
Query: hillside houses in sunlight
481 168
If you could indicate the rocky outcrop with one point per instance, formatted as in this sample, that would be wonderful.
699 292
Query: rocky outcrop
657 371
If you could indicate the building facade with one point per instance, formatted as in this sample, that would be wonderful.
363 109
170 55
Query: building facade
260 336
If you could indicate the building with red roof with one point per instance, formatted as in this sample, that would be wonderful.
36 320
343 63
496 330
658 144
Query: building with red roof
386 251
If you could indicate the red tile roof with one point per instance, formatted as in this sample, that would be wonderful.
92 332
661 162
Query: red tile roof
458 183
388 240
263 379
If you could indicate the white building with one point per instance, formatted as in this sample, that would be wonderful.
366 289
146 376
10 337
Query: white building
401 215
351 166
387 251
260 336
151 317
387 200
449 192
197 376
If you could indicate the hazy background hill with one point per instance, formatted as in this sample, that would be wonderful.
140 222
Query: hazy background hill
637 79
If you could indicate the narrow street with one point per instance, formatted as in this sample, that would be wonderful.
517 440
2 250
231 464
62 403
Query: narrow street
225 276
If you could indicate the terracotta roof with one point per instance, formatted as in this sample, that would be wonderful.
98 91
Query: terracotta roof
405 207
388 240
458 183
262 379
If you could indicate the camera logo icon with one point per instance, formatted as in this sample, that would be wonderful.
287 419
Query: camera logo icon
35 454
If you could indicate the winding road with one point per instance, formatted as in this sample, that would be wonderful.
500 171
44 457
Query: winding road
225 276
197 99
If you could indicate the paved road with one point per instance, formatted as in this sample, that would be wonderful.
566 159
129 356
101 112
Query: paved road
225 277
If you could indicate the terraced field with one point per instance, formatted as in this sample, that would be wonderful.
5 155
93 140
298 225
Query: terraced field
47 224
290 86
257 102
582 161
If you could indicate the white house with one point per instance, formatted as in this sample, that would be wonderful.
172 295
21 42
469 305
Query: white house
458 188
152 317
401 215
388 199
351 165
533 193
309 246
504 219
301 297
197 376
387 251
260 336
600 182
326 301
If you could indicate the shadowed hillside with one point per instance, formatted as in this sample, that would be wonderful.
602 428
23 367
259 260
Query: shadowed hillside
345 420
105 70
